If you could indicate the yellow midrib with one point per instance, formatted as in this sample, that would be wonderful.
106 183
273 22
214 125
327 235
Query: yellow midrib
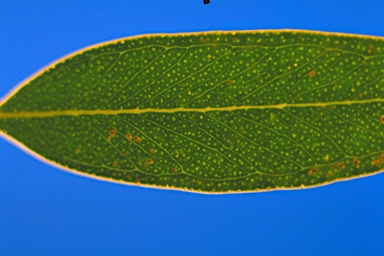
36 114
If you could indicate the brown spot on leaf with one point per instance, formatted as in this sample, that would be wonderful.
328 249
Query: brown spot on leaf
382 119
376 162
312 171
128 136
312 73
137 139
112 132
115 164
229 82
174 170
371 48
152 150
356 162
150 161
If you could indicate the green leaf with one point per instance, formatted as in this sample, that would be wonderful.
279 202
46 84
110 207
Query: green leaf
211 112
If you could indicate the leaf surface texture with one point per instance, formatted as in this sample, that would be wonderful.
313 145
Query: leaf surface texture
212 112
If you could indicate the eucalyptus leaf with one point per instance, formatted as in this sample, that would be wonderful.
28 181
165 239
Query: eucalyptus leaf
213 112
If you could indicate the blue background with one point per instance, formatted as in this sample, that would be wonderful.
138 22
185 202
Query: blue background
45 211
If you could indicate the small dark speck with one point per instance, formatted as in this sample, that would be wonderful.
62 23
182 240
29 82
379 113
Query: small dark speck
206 1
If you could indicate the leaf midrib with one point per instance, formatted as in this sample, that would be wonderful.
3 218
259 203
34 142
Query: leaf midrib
42 114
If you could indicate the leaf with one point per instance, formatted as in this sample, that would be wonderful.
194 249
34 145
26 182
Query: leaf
211 112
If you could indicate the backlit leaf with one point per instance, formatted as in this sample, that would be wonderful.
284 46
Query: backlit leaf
211 112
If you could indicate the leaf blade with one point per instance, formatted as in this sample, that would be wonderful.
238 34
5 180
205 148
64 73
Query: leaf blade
211 112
